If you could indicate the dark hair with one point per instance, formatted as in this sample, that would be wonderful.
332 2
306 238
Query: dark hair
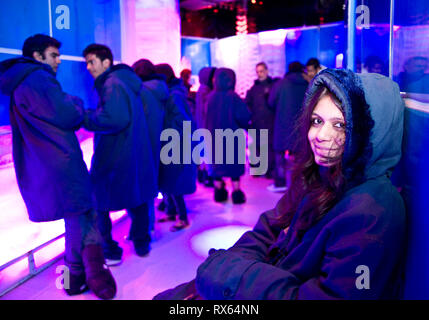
295 66
166 70
262 64
144 68
38 43
100 50
313 62
322 186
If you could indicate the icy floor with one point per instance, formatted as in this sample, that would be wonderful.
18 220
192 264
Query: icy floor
174 256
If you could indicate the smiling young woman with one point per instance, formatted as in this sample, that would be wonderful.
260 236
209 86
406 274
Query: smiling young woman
327 131
339 231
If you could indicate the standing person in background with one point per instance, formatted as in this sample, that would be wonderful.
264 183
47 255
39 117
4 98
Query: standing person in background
262 115
312 68
52 177
176 180
226 110
286 99
122 168
154 100
205 75
186 75
374 64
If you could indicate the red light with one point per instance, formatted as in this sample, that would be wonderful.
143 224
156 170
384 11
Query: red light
216 10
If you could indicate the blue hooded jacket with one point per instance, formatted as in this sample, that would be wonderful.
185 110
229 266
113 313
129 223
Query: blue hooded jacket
154 96
122 168
356 250
226 110
180 178
52 177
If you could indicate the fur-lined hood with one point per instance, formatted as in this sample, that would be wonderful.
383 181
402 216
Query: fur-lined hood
373 110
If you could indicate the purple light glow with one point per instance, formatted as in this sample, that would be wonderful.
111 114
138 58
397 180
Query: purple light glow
18 235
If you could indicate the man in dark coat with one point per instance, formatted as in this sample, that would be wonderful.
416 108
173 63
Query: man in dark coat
50 171
176 179
286 99
122 167
262 114
226 111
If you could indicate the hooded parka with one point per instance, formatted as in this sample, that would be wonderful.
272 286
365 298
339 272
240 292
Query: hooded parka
356 250
122 168
180 178
226 111
52 177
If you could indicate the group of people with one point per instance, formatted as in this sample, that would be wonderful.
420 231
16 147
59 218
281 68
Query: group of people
335 138
134 105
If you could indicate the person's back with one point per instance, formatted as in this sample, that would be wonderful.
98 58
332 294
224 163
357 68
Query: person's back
206 86
227 111
176 179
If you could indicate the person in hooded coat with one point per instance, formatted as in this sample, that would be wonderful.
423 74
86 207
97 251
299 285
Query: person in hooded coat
286 99
154 99
176 179
205 76
50 171
340 231
226 111
122 167
262 115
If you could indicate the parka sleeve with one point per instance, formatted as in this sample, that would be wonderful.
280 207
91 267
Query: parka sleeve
354 242
177 111
256 243
241 113
50 104
113 112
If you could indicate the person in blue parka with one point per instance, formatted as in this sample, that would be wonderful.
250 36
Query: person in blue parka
155 99
122 167
226 111
51 174
176 179
339 232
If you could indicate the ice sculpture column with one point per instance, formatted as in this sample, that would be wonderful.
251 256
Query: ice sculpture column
150 29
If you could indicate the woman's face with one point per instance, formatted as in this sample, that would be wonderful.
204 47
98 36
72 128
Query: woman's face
327 132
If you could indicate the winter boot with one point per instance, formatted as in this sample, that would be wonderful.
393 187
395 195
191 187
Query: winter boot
220 194
98 276
238 197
